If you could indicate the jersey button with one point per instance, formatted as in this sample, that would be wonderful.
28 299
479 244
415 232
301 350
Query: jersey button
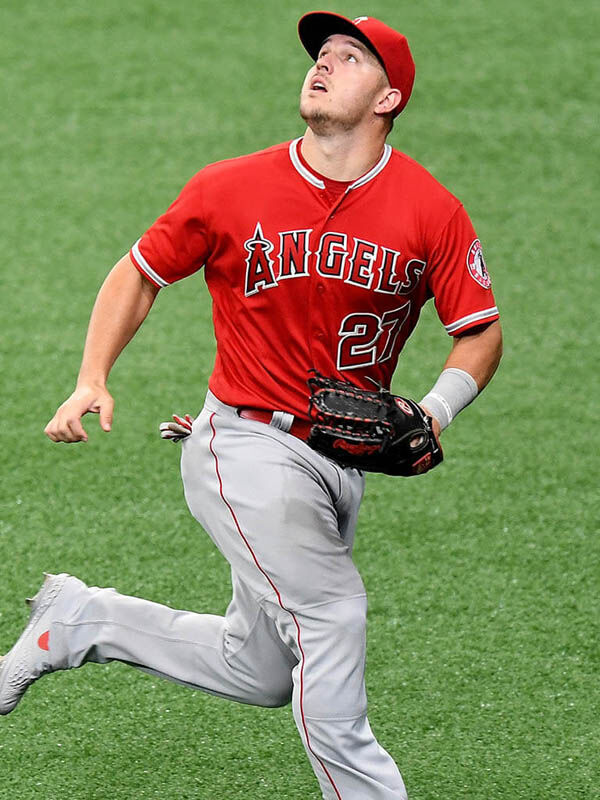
320 288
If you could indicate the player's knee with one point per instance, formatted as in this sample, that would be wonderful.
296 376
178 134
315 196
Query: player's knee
346 619
335 628
278 686
278 696
334 646
273 690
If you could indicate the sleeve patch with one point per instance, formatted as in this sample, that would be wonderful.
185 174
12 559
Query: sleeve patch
476 265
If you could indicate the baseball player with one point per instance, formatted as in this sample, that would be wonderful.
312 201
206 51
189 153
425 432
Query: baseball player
319 254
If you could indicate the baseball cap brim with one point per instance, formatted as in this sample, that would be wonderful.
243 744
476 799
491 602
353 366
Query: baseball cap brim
317 26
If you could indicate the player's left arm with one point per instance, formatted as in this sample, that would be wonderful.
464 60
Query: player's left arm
478 351
472 362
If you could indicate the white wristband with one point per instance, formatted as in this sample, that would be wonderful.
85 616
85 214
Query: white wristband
452 392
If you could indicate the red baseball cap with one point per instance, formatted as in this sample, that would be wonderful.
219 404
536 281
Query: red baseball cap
390 47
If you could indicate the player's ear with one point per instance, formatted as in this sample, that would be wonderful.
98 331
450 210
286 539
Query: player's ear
388 100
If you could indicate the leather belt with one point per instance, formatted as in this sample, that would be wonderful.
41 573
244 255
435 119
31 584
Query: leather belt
279 419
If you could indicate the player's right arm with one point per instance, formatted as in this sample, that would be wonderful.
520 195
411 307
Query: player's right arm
123 303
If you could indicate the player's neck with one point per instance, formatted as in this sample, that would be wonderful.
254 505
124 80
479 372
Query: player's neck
341 156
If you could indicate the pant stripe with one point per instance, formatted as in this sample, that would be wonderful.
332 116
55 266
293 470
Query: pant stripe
279 600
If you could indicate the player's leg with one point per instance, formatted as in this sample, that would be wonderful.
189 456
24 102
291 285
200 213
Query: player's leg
329 698
284 517
239 656
330 708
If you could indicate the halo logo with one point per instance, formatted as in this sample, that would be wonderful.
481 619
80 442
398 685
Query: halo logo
476 265
358 20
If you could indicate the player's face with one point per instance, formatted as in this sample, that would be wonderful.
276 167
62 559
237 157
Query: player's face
342 88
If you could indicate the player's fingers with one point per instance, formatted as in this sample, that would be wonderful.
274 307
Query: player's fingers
61 428
49 431
66 424
106 407
66 432
73 430
67 420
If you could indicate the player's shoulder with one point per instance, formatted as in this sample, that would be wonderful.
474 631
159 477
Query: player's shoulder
221 179
420 180
258 160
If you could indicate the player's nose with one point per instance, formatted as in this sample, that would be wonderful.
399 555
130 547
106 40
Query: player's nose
324 63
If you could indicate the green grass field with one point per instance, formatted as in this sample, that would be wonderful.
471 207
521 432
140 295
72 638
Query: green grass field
483 576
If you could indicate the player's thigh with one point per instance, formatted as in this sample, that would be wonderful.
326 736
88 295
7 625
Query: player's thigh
272 508
253 645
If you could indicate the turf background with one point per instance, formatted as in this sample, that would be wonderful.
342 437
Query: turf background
482 576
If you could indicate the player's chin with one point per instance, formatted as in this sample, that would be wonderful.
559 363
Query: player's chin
306 105
314 112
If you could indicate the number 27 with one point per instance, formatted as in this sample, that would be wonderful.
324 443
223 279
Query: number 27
366 339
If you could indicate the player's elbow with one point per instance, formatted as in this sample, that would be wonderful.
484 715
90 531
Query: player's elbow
497 341
493 351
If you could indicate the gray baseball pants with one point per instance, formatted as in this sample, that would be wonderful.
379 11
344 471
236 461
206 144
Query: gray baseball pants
284 518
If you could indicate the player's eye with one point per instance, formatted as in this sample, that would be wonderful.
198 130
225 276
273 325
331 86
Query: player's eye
351 57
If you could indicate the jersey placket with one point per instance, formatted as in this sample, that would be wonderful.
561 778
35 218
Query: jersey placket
319 333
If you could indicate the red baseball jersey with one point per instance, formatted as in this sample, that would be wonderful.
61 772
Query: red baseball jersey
308 273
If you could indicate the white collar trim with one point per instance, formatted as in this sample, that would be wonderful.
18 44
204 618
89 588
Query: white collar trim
308 176
312 179
368 176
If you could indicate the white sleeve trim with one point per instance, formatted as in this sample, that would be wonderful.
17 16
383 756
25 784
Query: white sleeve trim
145 266
470 318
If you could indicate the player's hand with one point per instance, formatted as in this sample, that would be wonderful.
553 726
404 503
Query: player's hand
65 425
435 423
179 429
